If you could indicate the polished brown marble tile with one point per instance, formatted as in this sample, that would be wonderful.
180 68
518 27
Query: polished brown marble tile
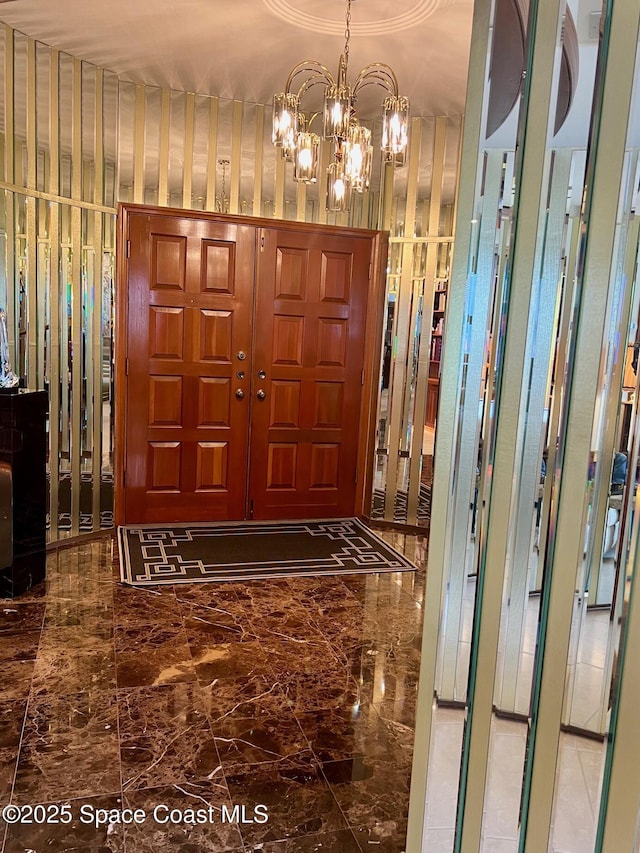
218 596
246 698
79 567
71 740
90 713
371 791
87 618
11 722
260 597
8 761
342 841
398 701
319 593
16 679
152 654
253 741
61 670
342 628
229 660
165 737
297 799
327 687
18 647
136 606
79 834
357 731
286 656
76 583
382 836
75 642
369 589
35 594
183 818
17 617
211 626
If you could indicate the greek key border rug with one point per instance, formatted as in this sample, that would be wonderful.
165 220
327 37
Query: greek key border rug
239 551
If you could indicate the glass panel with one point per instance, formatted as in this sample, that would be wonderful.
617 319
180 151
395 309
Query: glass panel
125 152
110 88
65 100
153 98
43 73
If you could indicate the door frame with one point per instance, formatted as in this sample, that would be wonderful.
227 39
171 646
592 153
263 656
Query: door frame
372 343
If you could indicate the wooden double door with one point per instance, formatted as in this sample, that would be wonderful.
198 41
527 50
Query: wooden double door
241 350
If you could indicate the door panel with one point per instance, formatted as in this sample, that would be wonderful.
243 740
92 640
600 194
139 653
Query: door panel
309 343
190 294
244 349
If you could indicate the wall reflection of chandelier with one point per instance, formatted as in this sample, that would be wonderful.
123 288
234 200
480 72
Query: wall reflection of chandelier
352 150
222 202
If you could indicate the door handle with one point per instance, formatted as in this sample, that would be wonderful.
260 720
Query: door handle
241 355
239 393
262 374
260 394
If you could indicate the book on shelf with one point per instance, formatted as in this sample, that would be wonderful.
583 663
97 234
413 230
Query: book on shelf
440 301
436 348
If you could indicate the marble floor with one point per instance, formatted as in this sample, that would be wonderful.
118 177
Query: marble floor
201 708
294 699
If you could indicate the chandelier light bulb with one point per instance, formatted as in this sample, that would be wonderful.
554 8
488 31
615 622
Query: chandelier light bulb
337 110
306 158
395 126
358 156
285 120
338 188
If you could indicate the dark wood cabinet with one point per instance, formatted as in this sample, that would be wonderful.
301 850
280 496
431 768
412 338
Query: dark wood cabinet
23 459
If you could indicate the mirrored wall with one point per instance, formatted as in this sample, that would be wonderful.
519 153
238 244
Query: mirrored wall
76 140
534 528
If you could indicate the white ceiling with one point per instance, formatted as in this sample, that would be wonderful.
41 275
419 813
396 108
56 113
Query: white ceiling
245 49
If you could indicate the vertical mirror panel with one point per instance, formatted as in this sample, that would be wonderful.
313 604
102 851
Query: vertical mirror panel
110 143
600 578
126 125
153 117
414 334
520 610
608 567
473 288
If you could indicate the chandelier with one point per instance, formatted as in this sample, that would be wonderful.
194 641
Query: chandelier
352 152
222 203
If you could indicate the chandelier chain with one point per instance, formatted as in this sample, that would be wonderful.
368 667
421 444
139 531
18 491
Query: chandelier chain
347 34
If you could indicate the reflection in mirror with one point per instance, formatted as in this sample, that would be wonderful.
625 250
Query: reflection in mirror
609 498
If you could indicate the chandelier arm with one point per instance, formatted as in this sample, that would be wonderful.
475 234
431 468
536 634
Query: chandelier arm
308 83
380 73
377 81
311 120
313 67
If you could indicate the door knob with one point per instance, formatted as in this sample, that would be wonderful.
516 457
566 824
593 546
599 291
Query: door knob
260 394
262 374
239 393
241 355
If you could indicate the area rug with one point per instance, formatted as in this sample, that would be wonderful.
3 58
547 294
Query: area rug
238 551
